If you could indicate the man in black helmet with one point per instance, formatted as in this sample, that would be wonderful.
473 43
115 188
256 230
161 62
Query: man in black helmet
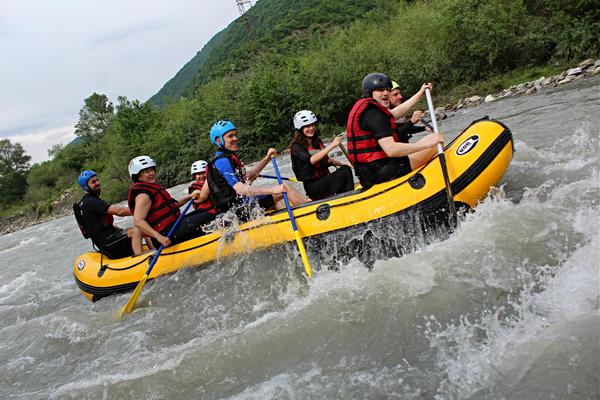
373 144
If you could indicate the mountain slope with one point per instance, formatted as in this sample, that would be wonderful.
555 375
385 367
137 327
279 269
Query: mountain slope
277 26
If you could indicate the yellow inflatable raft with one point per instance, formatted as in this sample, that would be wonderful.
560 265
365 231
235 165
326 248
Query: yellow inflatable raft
413 205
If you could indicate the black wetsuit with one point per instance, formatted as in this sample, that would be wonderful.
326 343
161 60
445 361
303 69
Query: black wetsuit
406 129
98 225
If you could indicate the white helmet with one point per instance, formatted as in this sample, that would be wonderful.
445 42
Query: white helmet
303 118
199 166
139 163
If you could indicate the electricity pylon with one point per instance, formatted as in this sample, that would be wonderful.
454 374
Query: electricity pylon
245 20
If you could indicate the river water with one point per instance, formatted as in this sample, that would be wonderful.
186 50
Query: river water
506 307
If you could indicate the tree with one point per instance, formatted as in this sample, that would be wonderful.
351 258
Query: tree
14 164
94 117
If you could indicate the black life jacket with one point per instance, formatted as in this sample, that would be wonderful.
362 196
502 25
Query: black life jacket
222 195
206 205
87 229
79 217
362 145
163 210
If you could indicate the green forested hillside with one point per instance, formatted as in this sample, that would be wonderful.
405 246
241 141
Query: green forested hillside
275 27
177 85
313 54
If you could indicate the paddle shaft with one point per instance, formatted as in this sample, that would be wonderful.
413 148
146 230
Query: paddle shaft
274 177
427 125
301 248
138 289
442 156
343 148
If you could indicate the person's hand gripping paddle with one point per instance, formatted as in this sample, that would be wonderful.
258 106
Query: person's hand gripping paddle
442 157
301 248
138 289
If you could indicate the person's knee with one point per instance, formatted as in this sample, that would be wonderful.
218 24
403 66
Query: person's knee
134 233
347 171
290 190
277 197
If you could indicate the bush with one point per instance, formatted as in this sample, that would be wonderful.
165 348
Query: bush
304 58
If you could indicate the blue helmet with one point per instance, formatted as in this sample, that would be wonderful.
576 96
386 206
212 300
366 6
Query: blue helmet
219 129
84 177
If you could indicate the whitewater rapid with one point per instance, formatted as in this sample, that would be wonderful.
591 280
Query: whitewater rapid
506 307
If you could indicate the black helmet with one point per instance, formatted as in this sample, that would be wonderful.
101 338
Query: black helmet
375 81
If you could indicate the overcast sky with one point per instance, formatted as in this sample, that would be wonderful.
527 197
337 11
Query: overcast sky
56 53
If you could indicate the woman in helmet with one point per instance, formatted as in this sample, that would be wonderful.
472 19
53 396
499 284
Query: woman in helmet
199 172
310 160
155 211
373 144
230 182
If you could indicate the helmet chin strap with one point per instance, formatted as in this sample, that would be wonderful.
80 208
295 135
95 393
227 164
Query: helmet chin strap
224 150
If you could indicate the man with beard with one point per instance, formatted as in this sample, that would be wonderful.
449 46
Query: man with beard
95 219
406 126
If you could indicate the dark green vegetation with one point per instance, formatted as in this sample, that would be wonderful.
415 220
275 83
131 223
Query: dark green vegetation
313 54
14 164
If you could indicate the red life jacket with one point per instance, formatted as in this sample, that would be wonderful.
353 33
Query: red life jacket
163 210
362 145
321 168
206 205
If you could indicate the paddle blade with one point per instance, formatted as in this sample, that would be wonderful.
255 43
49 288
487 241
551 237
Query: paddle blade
302 249
134 296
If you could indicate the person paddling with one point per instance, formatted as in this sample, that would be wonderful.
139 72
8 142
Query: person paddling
229 181
310 160
155 211
199 172
373 145
406 126
96 222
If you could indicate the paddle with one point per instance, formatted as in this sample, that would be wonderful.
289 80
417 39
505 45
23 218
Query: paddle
283 177
442 156
342 148
307 267
138 289
427 124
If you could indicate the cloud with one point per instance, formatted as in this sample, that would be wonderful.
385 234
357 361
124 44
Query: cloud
37 143
56 54
118 35
19 119
4 29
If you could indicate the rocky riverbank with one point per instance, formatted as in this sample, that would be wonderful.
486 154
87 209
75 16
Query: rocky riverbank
62 206
586 68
